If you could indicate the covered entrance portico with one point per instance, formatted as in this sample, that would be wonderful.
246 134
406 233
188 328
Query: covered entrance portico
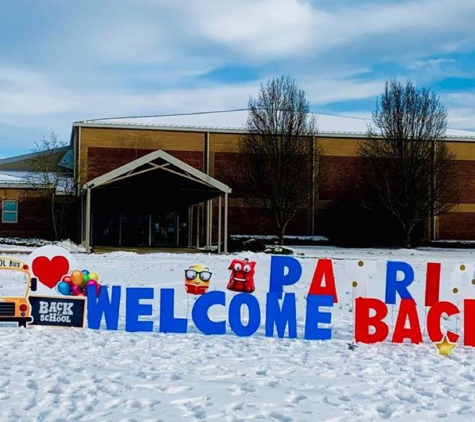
150 202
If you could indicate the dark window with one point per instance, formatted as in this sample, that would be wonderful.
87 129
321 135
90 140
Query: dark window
9 211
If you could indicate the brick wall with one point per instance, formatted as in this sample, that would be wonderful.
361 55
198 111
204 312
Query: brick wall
338 177
465 171
457 226
34 215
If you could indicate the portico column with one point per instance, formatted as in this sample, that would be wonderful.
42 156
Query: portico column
87 237
219 224
225 223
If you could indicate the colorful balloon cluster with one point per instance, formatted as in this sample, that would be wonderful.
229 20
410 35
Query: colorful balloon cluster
78 282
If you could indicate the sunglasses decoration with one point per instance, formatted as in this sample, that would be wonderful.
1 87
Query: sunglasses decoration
197 279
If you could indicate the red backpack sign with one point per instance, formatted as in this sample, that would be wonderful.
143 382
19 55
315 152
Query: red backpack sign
242 275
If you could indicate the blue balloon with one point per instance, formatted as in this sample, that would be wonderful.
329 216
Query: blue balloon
85 272
64 288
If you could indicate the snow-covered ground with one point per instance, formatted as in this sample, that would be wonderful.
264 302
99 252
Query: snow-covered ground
74 374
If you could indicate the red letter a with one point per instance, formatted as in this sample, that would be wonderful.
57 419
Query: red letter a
407 309
324 270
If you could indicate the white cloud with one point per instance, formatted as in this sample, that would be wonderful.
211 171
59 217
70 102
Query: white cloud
322 91
274 28
15 77
268 28
28 104
461 108
143 57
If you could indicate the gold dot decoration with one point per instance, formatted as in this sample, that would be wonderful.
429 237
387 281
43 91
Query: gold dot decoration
462 267
360 263
354 284
455 290
473 281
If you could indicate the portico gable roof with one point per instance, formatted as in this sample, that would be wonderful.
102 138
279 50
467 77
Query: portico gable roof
159 160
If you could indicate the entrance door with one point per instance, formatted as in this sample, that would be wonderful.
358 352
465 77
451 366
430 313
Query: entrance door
135 229
165 229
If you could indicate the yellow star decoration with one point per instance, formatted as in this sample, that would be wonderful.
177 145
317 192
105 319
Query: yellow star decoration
445 347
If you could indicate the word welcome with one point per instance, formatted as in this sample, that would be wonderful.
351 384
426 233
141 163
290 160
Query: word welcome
282 317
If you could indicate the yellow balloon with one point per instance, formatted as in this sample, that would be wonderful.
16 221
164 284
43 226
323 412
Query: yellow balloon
77 277
93 276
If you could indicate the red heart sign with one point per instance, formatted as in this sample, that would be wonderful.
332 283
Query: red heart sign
49 272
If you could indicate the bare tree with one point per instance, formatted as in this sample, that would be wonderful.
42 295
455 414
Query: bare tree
47 172
409 174
280 153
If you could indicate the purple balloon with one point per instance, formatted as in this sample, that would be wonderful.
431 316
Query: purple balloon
95 284
76 290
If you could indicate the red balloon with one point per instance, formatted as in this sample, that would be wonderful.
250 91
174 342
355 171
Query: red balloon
66 279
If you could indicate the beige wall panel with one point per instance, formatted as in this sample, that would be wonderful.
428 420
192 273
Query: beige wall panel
139 138
224 142
346 147
341 147
465 208
21 193
463 150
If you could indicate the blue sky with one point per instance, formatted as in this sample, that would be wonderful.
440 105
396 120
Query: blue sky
67 60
